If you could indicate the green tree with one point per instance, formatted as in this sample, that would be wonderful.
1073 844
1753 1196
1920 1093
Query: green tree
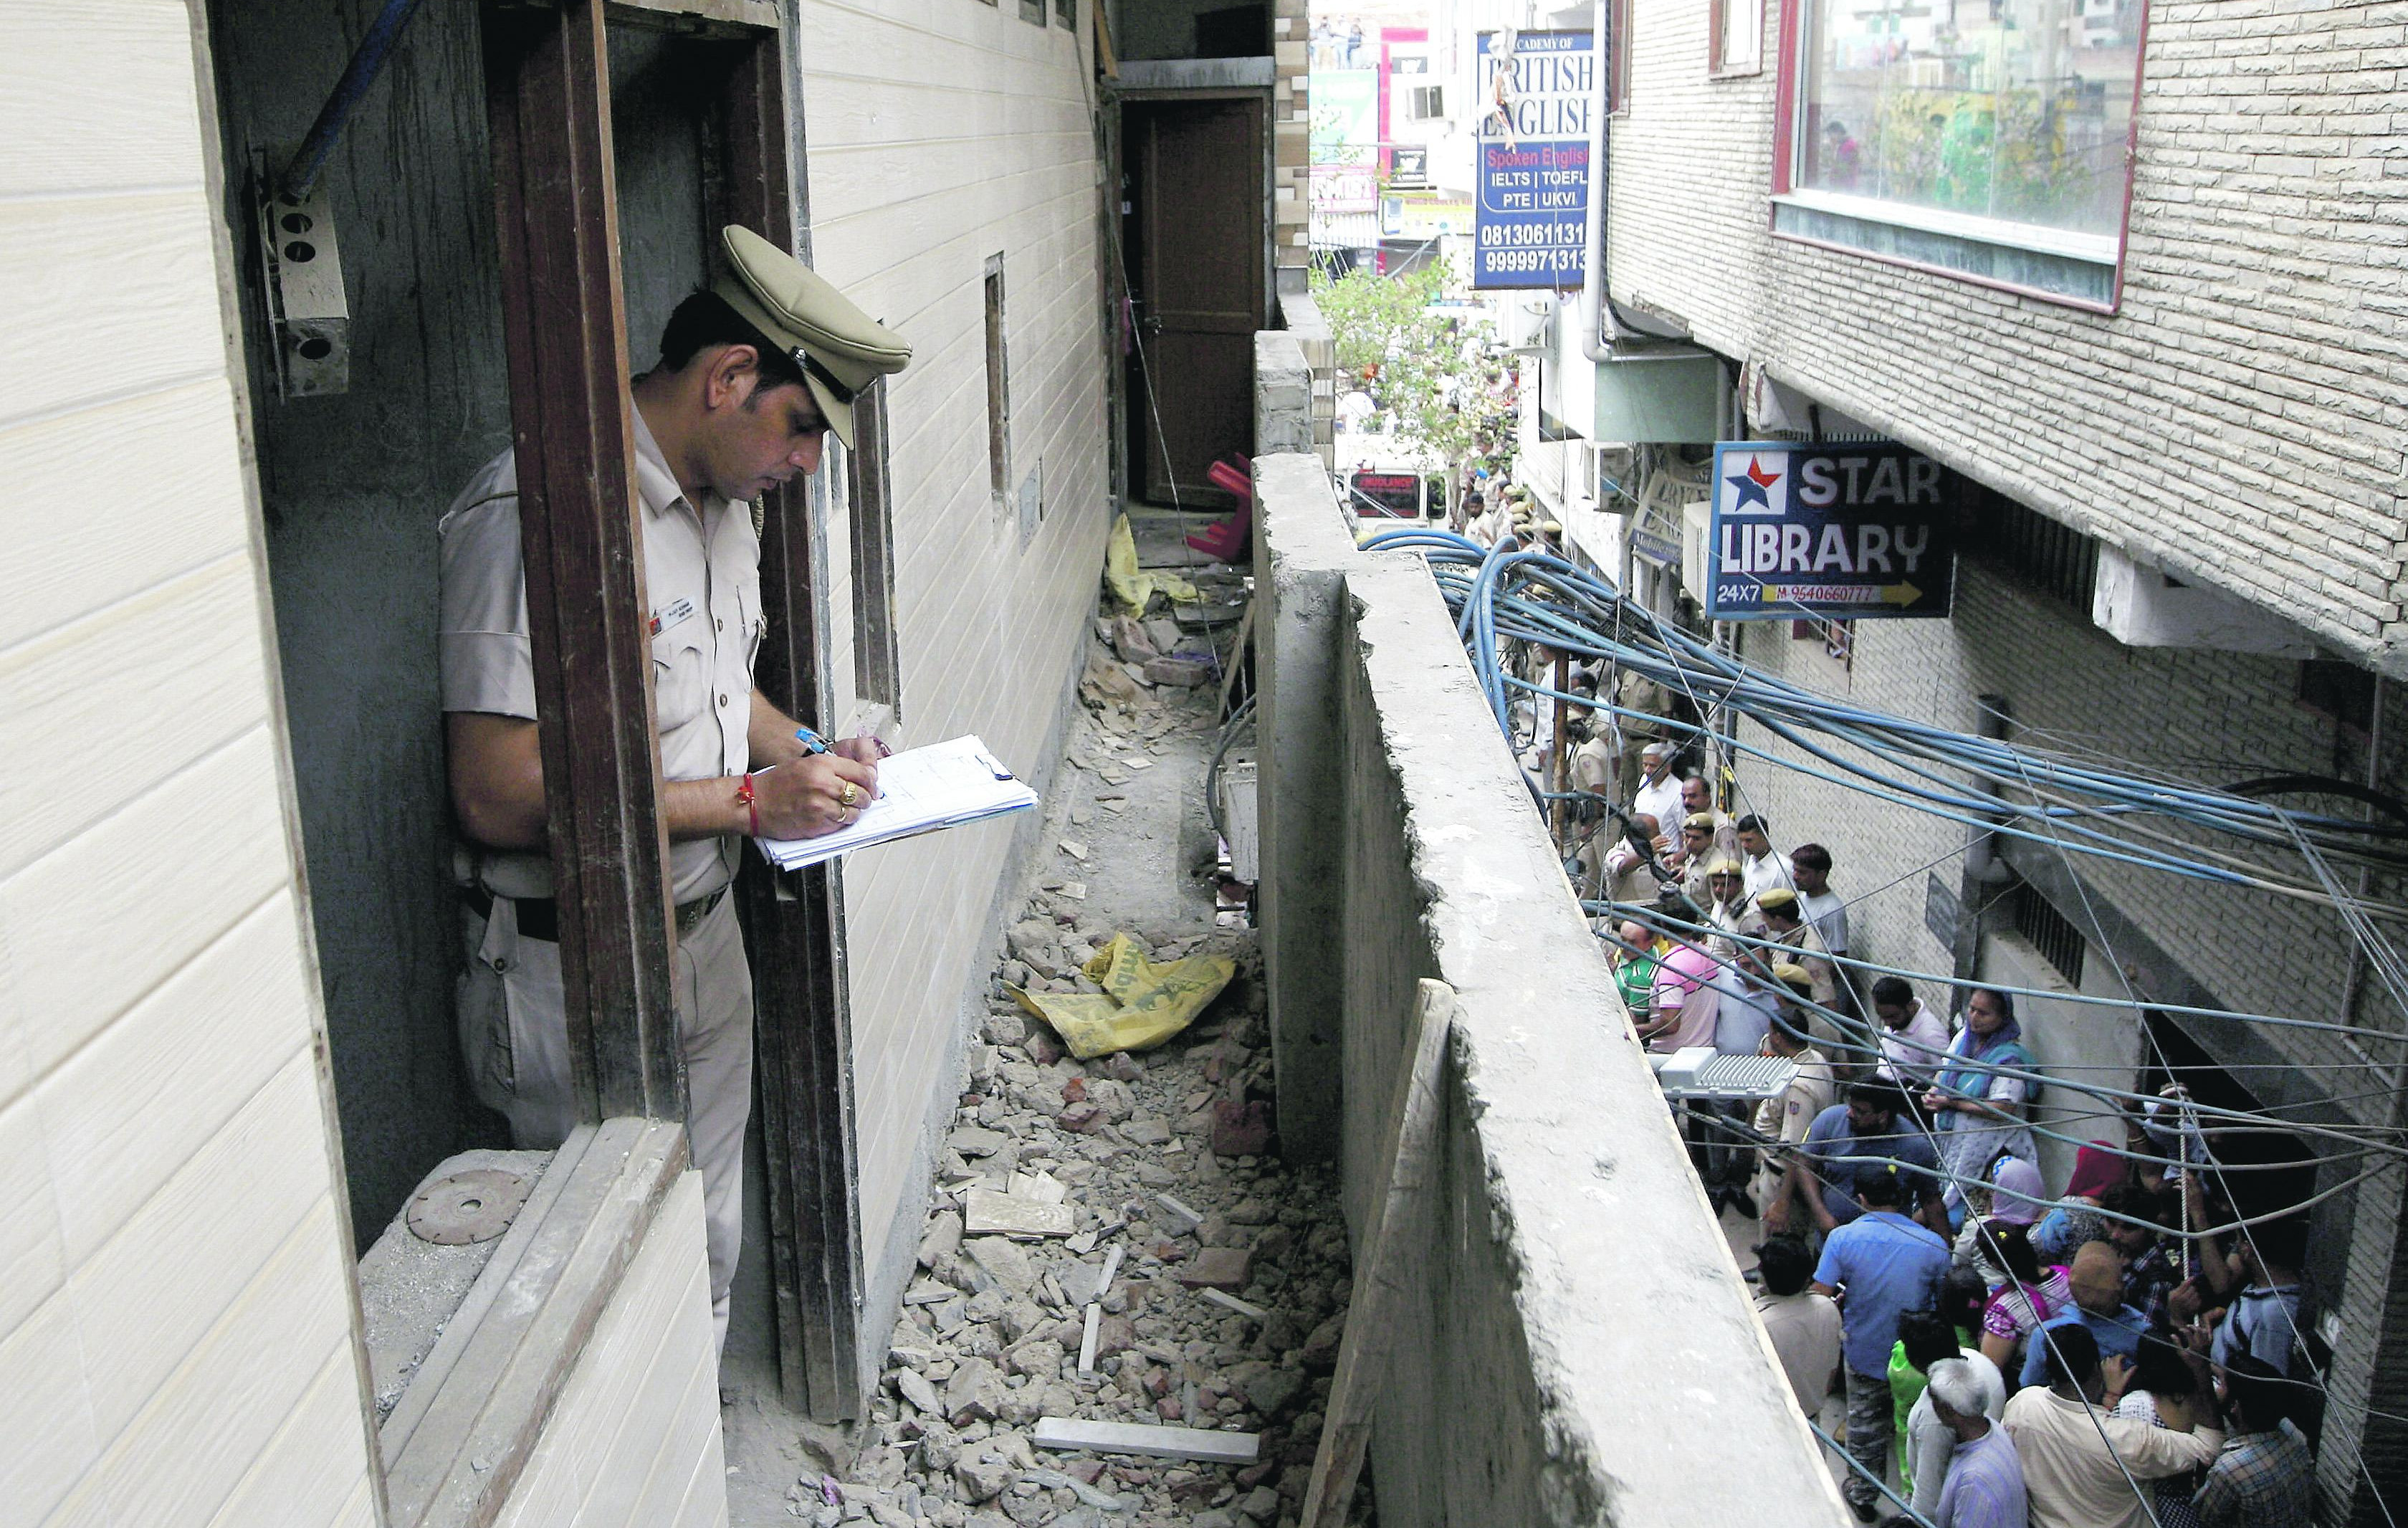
1410 359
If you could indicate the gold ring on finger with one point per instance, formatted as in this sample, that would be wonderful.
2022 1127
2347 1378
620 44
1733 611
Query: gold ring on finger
850 794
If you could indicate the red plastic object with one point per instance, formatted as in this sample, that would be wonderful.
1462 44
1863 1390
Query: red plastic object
1226 538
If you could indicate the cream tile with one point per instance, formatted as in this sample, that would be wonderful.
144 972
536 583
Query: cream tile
15 1063
225 820
47 1440
32 1258
221 1215
96 712
137 132
176 499
184 1454
128 1110
314 1470
131 276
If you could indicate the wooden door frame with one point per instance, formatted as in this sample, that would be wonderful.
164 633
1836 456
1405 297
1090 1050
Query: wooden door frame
548 91
1123 413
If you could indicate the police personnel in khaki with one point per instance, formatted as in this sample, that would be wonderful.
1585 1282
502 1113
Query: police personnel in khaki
753 372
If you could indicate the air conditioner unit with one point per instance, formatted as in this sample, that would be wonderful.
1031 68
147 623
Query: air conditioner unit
1697 549
2144 606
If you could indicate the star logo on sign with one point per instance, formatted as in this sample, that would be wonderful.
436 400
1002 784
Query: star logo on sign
1752 484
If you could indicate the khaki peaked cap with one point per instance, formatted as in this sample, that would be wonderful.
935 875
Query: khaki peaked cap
840 349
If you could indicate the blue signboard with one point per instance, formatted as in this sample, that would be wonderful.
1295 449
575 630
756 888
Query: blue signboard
1843 532
1531 209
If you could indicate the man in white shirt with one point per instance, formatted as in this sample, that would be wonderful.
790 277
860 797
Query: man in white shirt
1810 869
2079 1461
1913 1039
1765 866
1658 794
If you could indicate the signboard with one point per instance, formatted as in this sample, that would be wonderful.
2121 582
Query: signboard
1409 167
1423 216
1395 494
1345 125
1343 188
1842 530
1532 174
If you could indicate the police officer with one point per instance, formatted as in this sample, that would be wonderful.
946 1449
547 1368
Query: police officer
754 371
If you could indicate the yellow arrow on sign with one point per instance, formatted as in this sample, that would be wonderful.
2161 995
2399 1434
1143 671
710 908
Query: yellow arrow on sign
1901 595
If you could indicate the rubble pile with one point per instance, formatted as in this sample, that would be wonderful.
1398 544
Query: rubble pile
1111 1241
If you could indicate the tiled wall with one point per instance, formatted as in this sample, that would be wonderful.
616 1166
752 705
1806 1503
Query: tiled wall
943 132
175 1332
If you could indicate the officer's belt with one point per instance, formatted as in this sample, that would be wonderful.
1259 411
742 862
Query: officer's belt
540 916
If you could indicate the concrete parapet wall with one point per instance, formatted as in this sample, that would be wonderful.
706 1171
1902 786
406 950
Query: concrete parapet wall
1301 316
1301 547
1580 1348
1283 395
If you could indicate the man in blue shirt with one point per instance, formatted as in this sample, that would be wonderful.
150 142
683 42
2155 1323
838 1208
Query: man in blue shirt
2097 1278
1871 1133
1888 1265
1985 1482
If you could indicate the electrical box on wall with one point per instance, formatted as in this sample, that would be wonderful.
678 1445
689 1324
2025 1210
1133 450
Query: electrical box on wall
301 271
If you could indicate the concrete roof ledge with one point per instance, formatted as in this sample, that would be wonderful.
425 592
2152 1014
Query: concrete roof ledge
1660 1401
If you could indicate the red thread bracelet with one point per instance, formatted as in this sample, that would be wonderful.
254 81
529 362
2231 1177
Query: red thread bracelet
752 810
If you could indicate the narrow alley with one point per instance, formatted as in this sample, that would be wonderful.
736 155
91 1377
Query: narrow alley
1217 1276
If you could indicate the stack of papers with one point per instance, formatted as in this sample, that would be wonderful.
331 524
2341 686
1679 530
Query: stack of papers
920 789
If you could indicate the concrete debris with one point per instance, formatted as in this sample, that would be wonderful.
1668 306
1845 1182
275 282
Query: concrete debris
1126 1307
1218 1269
1012 1215
1241 1129
1230 1302
1181 673
1178 1219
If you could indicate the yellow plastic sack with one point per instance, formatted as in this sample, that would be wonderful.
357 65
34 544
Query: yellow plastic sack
1135 588
1141 1005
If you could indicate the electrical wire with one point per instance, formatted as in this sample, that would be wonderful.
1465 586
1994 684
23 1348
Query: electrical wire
1505 597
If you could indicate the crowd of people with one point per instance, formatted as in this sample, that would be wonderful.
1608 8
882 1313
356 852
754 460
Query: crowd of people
2124 1351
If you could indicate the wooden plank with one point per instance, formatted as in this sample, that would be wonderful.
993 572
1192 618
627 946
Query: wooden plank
1415 1112
472 1441
547 84
802 1031
1062 1433
709 18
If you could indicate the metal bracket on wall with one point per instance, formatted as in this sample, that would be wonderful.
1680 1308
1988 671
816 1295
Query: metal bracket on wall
301 278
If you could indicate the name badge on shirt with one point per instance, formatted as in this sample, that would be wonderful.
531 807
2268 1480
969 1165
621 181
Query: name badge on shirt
671 615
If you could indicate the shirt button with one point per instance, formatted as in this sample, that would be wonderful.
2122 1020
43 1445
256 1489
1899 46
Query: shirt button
721 624
723 702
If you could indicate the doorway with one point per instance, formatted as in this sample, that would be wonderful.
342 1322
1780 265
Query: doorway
1197 270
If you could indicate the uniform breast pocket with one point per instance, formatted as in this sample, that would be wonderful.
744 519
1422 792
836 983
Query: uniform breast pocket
756 626
680 676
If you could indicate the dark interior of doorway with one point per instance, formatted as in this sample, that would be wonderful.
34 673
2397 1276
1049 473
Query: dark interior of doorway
1193 258
2276 1168
354 484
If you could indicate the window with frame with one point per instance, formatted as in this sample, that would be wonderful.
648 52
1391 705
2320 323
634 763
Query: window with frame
1734 37
877 668
999 387
1986 136
1617 57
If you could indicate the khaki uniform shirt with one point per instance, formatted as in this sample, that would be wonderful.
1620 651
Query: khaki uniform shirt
702 589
